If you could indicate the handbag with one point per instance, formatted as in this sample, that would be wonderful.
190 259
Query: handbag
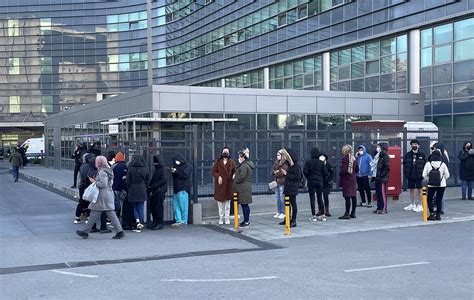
91 193
272 185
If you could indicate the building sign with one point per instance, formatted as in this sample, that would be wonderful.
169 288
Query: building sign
113 129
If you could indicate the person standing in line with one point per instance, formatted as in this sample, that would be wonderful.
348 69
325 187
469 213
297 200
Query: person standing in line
466 170
223 172
327 183
279 171
243 184
363 184
158 189
437 146
17 162
77 156
120 186
380 172
436 173
138 179
105 200
292 183
413 163
347 181
316 172
181 172
85 170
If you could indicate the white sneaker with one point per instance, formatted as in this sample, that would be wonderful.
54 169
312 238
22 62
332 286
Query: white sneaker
140 226
409 207
313 218
227 221
417 208
221 221
137 230
281 216
322 218
276 215
232 217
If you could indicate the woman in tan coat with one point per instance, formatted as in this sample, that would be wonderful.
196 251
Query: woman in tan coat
279 171
223 172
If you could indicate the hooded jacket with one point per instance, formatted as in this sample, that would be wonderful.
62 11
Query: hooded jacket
120 172
328 180
243 181
279 166
87 170
293 176
138 179
436 162
413 165
315 170
383 164
182 175
159 183
466 163
106 198
363 161
223 192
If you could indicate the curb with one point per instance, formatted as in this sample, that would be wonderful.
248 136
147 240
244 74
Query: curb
52 187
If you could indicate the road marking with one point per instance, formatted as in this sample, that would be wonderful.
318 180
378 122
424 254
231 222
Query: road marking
74 274
220 279
387 267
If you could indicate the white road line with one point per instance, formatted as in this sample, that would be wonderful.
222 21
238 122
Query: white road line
220 279
387 267
74 274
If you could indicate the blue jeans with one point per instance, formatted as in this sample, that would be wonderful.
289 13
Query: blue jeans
139 211
15 171
280 199
180 207
466 188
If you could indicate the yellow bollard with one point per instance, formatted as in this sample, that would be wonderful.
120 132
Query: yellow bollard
424 203
287 216
236 211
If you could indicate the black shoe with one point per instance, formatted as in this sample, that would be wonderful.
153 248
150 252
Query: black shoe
157 227
438 217
352 216
244 224
318 214
94 230
105 231
431 217
345 217
292 224
282 222
328 214
82 234
118 235
442 212
463 198
73 186
470 198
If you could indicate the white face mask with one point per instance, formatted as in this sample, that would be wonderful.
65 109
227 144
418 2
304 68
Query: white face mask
322 158
361 152
379 149
177 162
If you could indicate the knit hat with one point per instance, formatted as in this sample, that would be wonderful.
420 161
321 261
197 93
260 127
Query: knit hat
245 152
119 157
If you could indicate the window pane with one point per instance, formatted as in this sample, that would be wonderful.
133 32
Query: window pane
344 73
288 69
465 120
358 53
298 82
372 67
402 62
463 71
426 38
401 80
289 83
357 70
425 76
387 82
47 104
402 43
443 34
308 65
334 75
345 57
442 107
388 46
463 106
442 54
465 89
344 86
334 59
372 50
464 50
442 74
298 67
357 85
308 79
464 29
372 84
14 104
387 64
442 91
426 57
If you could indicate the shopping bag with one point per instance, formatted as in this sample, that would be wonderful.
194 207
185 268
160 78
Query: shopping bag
91 193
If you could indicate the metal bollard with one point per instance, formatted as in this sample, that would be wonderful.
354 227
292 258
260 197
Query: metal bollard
236 210
287 216
424 203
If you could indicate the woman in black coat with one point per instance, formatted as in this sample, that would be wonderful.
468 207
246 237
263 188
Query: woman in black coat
466 170
292 183
327 184
158 189
138 179
380 172
315 172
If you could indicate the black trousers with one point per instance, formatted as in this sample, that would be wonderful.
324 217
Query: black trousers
318 189
294 207
156 207
326 192
363 185
436 194
348 205
76 171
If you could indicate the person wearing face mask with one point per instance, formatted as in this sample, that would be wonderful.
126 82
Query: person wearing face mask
223 172
292 183
243 184
138 180
181 172
363 185
436 174
158 188
413 163
347 181
466 170
327 183
315 172
279 171
380 172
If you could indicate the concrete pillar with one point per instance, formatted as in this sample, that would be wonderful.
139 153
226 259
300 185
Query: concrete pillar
414 61
326 71
223 82
266 78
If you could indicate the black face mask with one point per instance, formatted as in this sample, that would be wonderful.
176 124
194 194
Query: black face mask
414 148
225 155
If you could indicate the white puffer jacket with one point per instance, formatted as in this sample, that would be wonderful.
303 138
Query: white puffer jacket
443 169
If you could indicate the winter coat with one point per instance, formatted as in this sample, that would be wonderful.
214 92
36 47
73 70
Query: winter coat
159 183
120 172
466 167
243 181
363 161
223 192
315 170
106 198
327 184
277 173
87 170
16 159
347 181
77 155
182 175
413 164
383 165
138 179
293 178
443 169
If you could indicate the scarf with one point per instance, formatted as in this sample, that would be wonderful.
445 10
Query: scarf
373 165
350 166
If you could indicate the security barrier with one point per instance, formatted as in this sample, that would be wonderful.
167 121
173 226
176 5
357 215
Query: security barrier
287 216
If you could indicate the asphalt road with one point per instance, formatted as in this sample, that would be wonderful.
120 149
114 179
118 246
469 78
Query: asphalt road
37 239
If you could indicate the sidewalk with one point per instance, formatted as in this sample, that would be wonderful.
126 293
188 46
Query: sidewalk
264 227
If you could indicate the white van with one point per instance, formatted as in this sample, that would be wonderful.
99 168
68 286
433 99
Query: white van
34 147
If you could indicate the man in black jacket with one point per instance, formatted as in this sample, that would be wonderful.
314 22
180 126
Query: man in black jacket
292 184
380 172
77 155
315 172
158 189
466 170
181 172
413 164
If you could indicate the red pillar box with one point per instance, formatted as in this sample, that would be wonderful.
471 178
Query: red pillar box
394 185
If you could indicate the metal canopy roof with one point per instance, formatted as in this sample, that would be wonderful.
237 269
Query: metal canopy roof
168 120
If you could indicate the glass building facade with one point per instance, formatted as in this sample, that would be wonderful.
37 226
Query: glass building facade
60 54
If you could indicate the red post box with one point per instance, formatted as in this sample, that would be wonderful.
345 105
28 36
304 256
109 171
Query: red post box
394 184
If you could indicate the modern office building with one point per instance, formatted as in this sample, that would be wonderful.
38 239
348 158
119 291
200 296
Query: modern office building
56 55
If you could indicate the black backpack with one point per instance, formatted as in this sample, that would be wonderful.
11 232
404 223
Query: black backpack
434 177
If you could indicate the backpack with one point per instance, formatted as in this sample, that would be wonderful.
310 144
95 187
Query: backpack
434 177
